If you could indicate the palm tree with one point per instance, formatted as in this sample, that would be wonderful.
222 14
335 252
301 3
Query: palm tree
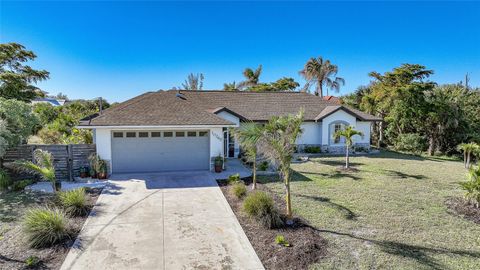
248 136
277 144
42 166
230 86
321 73
468 149
193 82
348 134
252 77
472 186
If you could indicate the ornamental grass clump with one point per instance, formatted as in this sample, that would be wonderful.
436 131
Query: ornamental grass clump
5 180
45 227
260 206
239 189
74 202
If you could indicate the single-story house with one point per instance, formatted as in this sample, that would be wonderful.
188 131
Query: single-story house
185 130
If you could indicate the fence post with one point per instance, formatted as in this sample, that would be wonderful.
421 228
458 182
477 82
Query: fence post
70 162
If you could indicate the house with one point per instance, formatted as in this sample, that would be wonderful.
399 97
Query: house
185 130
52 101
332 99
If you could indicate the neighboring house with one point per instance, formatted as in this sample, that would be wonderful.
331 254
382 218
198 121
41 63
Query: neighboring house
185 130
52 101
332 99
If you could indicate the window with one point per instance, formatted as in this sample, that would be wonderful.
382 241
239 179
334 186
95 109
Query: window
202 133
131 134
179 134
155 134
336 128
192 134
118 134
143 134
167 134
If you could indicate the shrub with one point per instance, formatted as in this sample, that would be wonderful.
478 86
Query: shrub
32 262
263 166
260 206
239 189
74 202
21 185
472 186
312 149
45 227
234 178
280 240
5 180
410 142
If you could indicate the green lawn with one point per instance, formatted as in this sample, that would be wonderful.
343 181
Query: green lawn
388 215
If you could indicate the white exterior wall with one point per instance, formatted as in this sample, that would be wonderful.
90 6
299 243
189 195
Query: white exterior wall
311 133
232 118
216 142
339 115
103 142
365 128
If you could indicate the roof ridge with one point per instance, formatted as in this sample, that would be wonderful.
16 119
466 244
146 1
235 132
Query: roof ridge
250 92
125 104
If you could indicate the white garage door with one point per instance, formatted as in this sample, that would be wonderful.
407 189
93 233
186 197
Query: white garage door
159 151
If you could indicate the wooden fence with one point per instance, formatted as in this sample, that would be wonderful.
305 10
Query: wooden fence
67 158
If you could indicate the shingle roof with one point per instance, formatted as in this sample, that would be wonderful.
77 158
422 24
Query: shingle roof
200 107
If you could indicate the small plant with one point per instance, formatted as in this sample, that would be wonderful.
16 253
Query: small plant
263 166
234 178
45 227
5 180
21 185
74 202
42 166
260 206
312 149
218 163
280 240
472 186
239 190
32 261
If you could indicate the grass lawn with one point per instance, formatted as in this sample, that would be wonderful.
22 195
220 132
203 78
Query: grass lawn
391 214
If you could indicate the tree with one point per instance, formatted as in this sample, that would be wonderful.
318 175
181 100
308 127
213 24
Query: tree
277 144
472 186
248 136
17 79
285 84
193 82
321 73
230 86
252 77
18 120
468 150
348 134
42 166
3 141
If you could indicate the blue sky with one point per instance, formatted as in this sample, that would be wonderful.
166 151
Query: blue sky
121 49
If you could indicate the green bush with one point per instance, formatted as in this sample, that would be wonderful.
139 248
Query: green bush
410 142
32 262
234 178
21 185
239 190
472 186
280 240
5 180
263 166
45 227
74 202
312 149
260 205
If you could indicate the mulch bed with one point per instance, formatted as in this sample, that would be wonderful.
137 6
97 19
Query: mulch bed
307 246
343 169
14 250
459 207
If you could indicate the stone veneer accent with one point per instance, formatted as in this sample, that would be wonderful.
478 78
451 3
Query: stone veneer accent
333 148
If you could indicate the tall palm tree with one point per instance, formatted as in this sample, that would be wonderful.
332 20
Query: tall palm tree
321 73
252 77
42 166
348 134
230 86
468 149
193 82
248 136
277 144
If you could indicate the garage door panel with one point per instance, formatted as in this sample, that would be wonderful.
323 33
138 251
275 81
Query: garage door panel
160 154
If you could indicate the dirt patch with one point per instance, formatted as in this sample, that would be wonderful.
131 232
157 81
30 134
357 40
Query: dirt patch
306 244
349 170
13 248
459 207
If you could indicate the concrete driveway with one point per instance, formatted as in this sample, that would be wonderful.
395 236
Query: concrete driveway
162 221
